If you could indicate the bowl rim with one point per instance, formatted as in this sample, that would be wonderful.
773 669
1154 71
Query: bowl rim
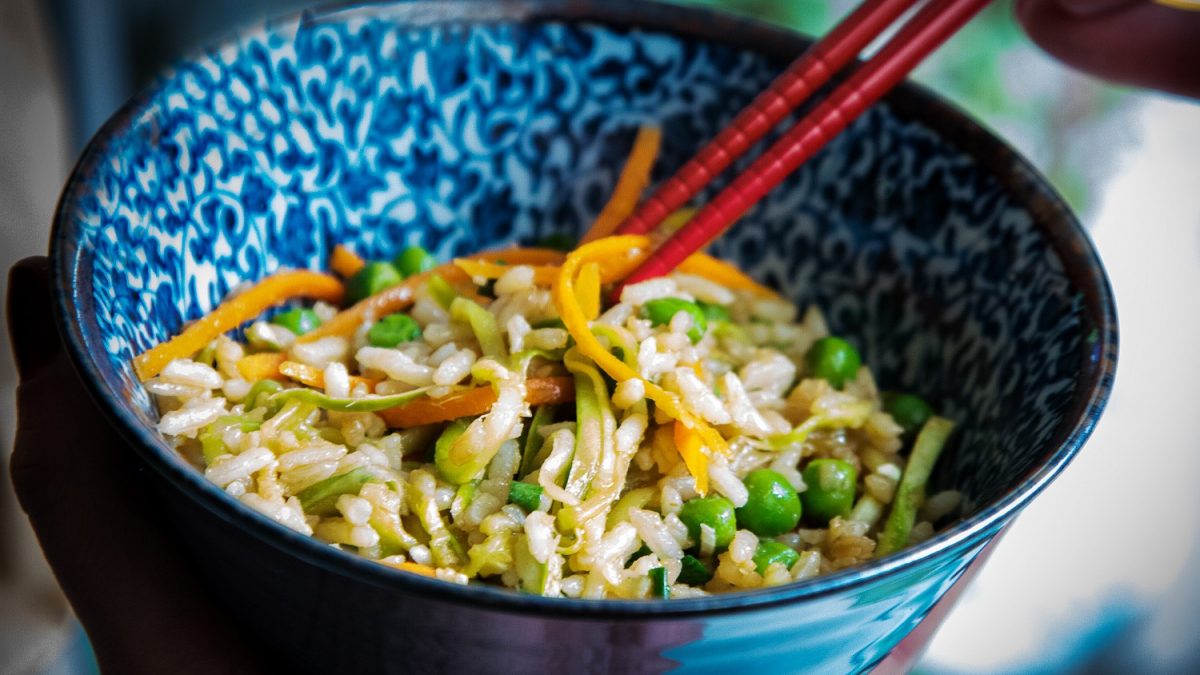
72 291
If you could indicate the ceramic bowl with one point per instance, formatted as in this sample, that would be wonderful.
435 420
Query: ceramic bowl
935 248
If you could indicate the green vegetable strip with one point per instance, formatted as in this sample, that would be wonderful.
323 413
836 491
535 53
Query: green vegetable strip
321 498
262 390
694 572
525 495
446 550
534 440
911 491
534 575
393 538
483 324
595 425
441 290
659 587
364 404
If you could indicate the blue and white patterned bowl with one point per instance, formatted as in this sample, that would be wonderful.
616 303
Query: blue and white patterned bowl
464 125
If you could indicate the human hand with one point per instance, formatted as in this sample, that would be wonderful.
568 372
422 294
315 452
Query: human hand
1144 43
131 585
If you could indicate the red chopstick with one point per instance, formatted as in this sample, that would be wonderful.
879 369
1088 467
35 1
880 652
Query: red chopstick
931 26
804 76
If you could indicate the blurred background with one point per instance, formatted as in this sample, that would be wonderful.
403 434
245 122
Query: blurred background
1100 574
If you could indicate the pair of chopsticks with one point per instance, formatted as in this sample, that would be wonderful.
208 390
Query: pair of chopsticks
923 33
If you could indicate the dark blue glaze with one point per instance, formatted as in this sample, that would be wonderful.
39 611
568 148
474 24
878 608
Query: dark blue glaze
941 254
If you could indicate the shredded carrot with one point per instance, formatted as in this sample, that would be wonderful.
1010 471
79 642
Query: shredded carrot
263 366
415 568
315 377
691 449
663 448
401 296
611 250
235 311
345 262
721 272
635 176
587 290
538 391
543 275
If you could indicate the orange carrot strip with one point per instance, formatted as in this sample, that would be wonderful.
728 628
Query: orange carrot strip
415 568
477 401
610 250
587 290
235 311
345 262
690 447
315 377
543 275
635 176
721 272
264 366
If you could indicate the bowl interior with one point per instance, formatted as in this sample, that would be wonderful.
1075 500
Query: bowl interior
355 128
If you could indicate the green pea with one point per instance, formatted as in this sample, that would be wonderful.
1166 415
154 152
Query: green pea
559 242
392 330
414 260
714 313
833 359
371 279
525 495
770 551
661 311
714 511
909 411
299 320
773 506
693 571
830 485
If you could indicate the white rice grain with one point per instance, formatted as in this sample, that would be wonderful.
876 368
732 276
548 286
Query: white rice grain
744 415
726 482
542 537
654 533
629 392
704 290
191 374
159 387
395 364
195 414
355 510
236 389
517 328
426 311
322 352
455 368
770 372
337 380
651 289
519 278
228 468
699 398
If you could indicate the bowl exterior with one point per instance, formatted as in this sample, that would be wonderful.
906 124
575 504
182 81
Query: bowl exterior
466 125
